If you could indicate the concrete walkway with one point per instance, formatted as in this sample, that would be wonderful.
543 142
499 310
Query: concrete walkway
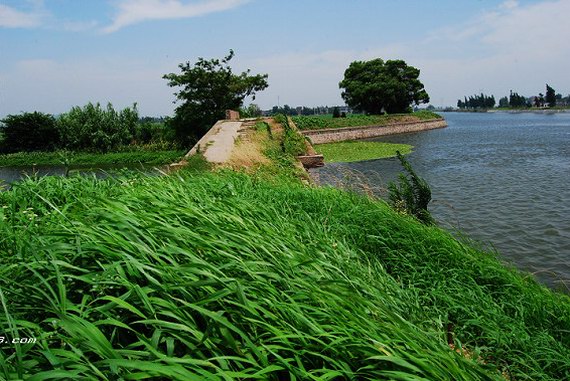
220 144
217 144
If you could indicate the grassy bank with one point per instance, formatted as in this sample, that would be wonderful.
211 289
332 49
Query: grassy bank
355 120
253 275
85 158
213 276
360 150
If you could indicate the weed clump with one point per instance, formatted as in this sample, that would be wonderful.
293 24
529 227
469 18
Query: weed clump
412 194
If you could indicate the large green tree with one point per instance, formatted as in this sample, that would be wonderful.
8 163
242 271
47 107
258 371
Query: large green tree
208 89
377 85
30 131
550 96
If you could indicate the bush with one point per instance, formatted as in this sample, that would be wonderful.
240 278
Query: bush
336 112
412 195
153 131
98 129
293 143
31 131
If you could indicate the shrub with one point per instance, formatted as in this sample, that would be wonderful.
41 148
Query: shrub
336 112
293 143
98 129
153 131
412 195
31 131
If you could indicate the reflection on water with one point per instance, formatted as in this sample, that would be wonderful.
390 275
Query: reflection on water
503 179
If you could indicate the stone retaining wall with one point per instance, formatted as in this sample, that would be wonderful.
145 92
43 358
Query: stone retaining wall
329 135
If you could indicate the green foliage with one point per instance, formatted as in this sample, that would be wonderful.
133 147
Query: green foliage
376 86
477 102
516 100
425 115
198 163
98 129
151 131
251 111
208 89
264 126
293 143
412 194
142 154
315 122
360 150
336 112
504 102
225 276
550 96
30 131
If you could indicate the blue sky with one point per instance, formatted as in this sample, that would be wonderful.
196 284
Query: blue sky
55 54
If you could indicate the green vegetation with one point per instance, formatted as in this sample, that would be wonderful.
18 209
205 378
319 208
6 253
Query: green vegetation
208 89
81 158
229 276
477 102
28 132
94 128
412 194
293 143
264 126
550 98
356 120
88 129
360 150
376 86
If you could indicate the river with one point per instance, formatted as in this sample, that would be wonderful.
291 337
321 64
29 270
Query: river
501 179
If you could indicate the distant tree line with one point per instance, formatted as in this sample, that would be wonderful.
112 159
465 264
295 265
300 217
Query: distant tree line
515 100
89 128
477 101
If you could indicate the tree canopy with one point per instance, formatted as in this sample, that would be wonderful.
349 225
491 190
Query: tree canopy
208 89
30 131
550 96
377 85
477 101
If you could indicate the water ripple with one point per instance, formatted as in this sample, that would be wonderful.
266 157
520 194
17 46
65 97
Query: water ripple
502 179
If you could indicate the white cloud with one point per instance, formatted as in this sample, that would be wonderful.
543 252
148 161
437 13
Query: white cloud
510 4
12 18
514 46
511 47
135 11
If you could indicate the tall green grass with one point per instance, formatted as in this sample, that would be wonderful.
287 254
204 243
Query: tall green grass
135 156
227 276
293 143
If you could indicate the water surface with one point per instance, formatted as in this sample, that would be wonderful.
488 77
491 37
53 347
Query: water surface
503 179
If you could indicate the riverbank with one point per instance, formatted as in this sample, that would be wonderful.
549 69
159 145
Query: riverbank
257 276
516 110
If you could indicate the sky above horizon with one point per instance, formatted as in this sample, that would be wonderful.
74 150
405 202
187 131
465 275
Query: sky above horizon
55 54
